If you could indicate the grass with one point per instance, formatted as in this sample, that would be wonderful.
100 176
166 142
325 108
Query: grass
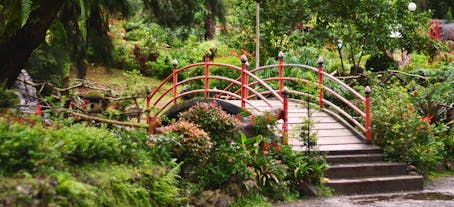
121 82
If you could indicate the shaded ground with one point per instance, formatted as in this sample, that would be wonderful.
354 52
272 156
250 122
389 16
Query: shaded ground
439 193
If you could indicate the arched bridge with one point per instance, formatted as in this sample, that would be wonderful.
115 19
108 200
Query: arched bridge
340 113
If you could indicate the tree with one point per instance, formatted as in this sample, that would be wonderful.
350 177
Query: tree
173 13
27 22
365 26
277 21
20 36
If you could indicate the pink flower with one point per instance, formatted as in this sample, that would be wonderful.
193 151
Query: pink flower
278 161
266 152
415 92
230 160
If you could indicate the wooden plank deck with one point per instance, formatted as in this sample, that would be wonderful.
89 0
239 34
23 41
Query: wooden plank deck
332 135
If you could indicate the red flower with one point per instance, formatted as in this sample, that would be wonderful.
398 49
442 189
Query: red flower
278 148
39 109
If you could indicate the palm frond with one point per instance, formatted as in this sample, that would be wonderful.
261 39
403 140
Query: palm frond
25 10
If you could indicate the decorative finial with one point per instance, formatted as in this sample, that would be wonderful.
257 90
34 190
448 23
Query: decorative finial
285 91
243 59
175 63
320 61
367 90
281 55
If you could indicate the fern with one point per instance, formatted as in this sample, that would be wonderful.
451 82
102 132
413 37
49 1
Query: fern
26 8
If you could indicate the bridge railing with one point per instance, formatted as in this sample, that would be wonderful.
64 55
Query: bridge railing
206 90
248 91
362 111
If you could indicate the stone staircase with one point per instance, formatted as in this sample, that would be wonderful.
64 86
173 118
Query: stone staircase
364 171
355 167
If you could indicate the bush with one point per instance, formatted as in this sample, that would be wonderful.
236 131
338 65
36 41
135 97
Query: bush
404 135
190 144
220 126
7 98
24 147
379 63
82 144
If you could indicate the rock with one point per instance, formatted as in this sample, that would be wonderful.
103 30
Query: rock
222 202
26 93
411 168
308 189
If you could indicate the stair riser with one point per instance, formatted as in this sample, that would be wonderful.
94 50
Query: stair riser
377 186
352 152
366 171
347 159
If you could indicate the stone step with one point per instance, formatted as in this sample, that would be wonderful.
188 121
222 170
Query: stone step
344 149
355 158
368 169
376 184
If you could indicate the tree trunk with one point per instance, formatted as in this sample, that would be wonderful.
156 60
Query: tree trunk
15 51
69 17
210 26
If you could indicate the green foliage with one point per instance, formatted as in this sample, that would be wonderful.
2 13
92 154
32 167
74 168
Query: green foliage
212 119
59 163
82 144
21 147
379 63
51 61
402 132
190 144
277 19
7 98
251 201
366 28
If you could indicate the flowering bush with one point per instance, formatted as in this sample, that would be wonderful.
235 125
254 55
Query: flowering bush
403 133
220 126
190 144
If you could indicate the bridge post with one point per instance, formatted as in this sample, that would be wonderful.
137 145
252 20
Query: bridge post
280 56
246 82
320 81
175 80
285 117
367 91
243 81
207 73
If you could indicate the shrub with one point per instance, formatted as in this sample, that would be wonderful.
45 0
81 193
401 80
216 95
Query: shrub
220 126
403 134
190 144
24 147
7 98
379 63
83 144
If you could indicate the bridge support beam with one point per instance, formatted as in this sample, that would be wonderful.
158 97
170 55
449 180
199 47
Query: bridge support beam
243 81
207 74
175 81
280 56
320 81
285 118
367 91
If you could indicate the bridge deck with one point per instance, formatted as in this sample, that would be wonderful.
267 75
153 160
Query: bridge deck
332 135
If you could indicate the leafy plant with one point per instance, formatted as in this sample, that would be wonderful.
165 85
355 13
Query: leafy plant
212 119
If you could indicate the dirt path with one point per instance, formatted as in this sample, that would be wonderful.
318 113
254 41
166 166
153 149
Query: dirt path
439 193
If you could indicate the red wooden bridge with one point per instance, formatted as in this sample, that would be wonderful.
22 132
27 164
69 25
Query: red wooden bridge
250 91
342 117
